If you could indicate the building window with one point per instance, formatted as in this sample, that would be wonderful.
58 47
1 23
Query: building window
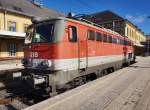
118 24
130 33
108 25
127 32
25 27
12 49
12 26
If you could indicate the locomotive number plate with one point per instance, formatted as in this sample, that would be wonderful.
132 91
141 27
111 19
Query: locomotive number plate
34 54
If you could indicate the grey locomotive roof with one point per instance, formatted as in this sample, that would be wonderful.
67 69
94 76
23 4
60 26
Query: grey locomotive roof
27 8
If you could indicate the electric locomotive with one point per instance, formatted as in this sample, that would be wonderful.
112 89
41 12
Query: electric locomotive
65 51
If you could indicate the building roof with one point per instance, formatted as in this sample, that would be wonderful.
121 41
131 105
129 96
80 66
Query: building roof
106 16
27 8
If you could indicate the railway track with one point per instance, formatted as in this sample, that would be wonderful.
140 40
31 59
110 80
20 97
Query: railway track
12 93
12 103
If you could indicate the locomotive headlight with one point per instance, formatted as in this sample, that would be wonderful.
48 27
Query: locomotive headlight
50 63
46 63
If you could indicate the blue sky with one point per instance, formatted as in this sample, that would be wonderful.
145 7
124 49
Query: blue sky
134 10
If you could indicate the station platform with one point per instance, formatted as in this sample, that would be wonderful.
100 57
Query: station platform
125 89
10 65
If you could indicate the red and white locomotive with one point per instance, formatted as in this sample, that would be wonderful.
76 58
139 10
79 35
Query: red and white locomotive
61 51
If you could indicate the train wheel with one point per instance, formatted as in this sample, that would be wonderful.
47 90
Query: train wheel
99 74
110 70
79 81
104 72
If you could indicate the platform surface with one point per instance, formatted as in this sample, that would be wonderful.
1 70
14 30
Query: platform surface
125 89
8 66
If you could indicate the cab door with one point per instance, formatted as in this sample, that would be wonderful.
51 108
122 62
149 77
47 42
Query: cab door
76 37
91 45
82 48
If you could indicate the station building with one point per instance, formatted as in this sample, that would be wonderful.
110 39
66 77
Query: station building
111 20
15 17
147 45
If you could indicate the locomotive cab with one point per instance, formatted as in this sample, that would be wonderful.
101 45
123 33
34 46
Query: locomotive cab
40 50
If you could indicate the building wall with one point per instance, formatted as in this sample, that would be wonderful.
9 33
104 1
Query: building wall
117 26
1 21
6 40
134 34
19 19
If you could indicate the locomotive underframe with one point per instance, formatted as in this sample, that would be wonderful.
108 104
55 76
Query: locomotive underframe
56 80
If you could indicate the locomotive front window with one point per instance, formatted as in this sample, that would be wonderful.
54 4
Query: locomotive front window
43 33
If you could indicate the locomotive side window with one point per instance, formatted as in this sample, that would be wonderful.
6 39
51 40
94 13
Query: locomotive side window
72 34
110 39
105 38
129 43
91 35
125 42
99 36
114 40
117 41
122 42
